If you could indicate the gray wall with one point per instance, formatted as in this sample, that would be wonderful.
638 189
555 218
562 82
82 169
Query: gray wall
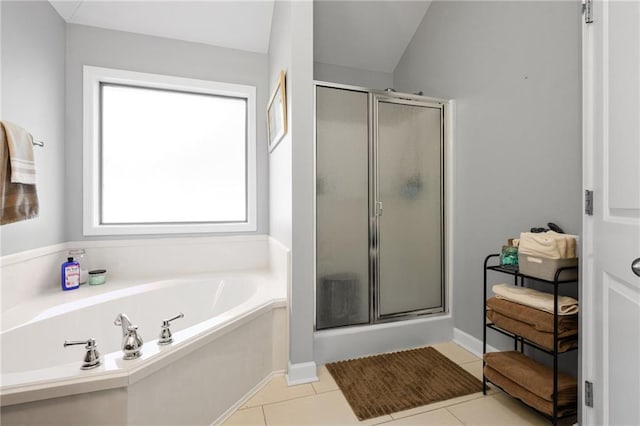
122 50
280 181
291 166
514 70
33 82
302 294
352 76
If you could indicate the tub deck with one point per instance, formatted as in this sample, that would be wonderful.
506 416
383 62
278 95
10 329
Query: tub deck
214 304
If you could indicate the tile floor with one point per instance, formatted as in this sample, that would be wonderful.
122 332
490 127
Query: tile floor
322 403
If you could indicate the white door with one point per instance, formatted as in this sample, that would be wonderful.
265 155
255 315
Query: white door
611 159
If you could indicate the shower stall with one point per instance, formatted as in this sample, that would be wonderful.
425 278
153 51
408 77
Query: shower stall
380 206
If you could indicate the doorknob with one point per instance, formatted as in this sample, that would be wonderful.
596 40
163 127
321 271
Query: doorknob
635 266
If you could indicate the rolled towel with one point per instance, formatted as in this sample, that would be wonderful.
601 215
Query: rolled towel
536 299
20 142
540 320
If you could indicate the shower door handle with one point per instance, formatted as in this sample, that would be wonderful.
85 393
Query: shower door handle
378 208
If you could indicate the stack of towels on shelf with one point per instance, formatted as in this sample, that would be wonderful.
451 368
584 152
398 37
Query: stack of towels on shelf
531 382
529 313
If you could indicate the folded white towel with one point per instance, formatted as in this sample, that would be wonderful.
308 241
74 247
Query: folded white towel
20 142
550 245
536 299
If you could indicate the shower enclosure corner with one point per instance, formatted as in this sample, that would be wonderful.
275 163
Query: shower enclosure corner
379 206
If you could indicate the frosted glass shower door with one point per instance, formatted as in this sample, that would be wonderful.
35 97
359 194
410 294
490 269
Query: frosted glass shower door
342 212
409 193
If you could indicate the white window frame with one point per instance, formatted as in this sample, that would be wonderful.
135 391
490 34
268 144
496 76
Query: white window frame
93 77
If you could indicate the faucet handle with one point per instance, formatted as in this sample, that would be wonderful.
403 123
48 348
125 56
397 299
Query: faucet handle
165 332
92 357
165 323
90 343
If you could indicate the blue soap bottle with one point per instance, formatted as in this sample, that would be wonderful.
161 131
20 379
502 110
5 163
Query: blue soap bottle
70 275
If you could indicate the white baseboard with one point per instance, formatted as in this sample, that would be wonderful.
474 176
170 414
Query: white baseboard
224 416
303 372
359 341
470 343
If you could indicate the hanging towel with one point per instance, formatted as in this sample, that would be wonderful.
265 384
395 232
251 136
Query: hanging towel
18 201
536 299
20 142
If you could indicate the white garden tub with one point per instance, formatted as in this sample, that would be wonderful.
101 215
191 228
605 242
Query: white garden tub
36 366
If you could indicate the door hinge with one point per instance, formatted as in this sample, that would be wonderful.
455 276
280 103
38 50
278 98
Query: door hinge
587 11
588 393
588 202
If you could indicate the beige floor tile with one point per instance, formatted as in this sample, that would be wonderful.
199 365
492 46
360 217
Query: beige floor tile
436 418
473 367
248 417
322 403
328 408
325 381
436 405
495 410
509 401
278 390
455 353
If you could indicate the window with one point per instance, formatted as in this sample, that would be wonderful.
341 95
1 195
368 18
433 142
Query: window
167 154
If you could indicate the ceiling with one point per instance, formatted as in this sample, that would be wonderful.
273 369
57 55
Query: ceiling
370 35
244 25
365 34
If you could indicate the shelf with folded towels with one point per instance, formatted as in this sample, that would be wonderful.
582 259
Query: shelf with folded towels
531 382
534 325
547 322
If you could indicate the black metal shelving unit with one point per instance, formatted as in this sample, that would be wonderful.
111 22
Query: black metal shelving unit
519 279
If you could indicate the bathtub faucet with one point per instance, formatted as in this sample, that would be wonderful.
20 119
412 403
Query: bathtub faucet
124 321
131 340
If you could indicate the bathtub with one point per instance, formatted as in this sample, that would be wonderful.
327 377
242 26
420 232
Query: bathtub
201 375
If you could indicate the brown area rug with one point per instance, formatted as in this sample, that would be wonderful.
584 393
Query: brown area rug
388 383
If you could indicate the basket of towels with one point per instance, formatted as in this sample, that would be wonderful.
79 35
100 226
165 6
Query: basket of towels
541 254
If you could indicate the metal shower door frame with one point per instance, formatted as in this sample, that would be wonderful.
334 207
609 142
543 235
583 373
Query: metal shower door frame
375 207
373 97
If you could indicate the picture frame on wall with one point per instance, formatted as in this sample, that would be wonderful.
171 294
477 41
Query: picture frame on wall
277 114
